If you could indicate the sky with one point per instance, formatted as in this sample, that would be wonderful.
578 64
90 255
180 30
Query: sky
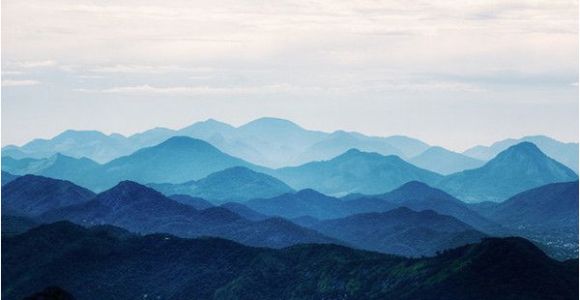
451 73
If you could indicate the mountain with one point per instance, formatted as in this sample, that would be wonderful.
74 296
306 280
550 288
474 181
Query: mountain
401 231
275 132
236 184
81 171
309 203
176 160
100 264
415 195
355 172
225 137
278 141
550 206
565 153
206 129
302 203
443 161
77 144
31 196
409 147
516 169
419 196
7 177
13 225
195 202
244 211
547 214
269 142
339 142
147 138
138 208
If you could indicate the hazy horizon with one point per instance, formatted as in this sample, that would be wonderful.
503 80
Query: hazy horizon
269 117
450 74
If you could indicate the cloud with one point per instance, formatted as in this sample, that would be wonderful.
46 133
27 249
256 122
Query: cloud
11 83
144 90
11 72
145 69
33 64
377 86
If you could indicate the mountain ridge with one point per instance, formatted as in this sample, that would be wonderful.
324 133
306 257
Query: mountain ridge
516 169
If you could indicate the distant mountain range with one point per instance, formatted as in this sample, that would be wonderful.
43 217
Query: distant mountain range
236 184
565 153
109 263
414 195
401 231
269 142
144 210
141 209
516 169
550 206
81 171
149 213
355 172
32 196
443 161
302 203
419 196
547 214
179 165
276 143
176 160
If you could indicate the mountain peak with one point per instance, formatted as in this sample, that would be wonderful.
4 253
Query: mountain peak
184 141
417 190
128 191
354 153
308 193
271 122
213 123
414 185
525 147
128 185
131 189
518 168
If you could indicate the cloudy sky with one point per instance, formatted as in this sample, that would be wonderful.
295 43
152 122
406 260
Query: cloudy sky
453 73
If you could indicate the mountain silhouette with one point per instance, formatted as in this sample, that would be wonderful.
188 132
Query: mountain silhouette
565 153
516 169
235 184
443 161
81 171
355 172
401 231
419 196
138 208
547 214
7 177
99 263
31 196
302 203
339 142
270 142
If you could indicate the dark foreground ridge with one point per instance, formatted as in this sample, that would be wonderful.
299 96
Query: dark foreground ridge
108 263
